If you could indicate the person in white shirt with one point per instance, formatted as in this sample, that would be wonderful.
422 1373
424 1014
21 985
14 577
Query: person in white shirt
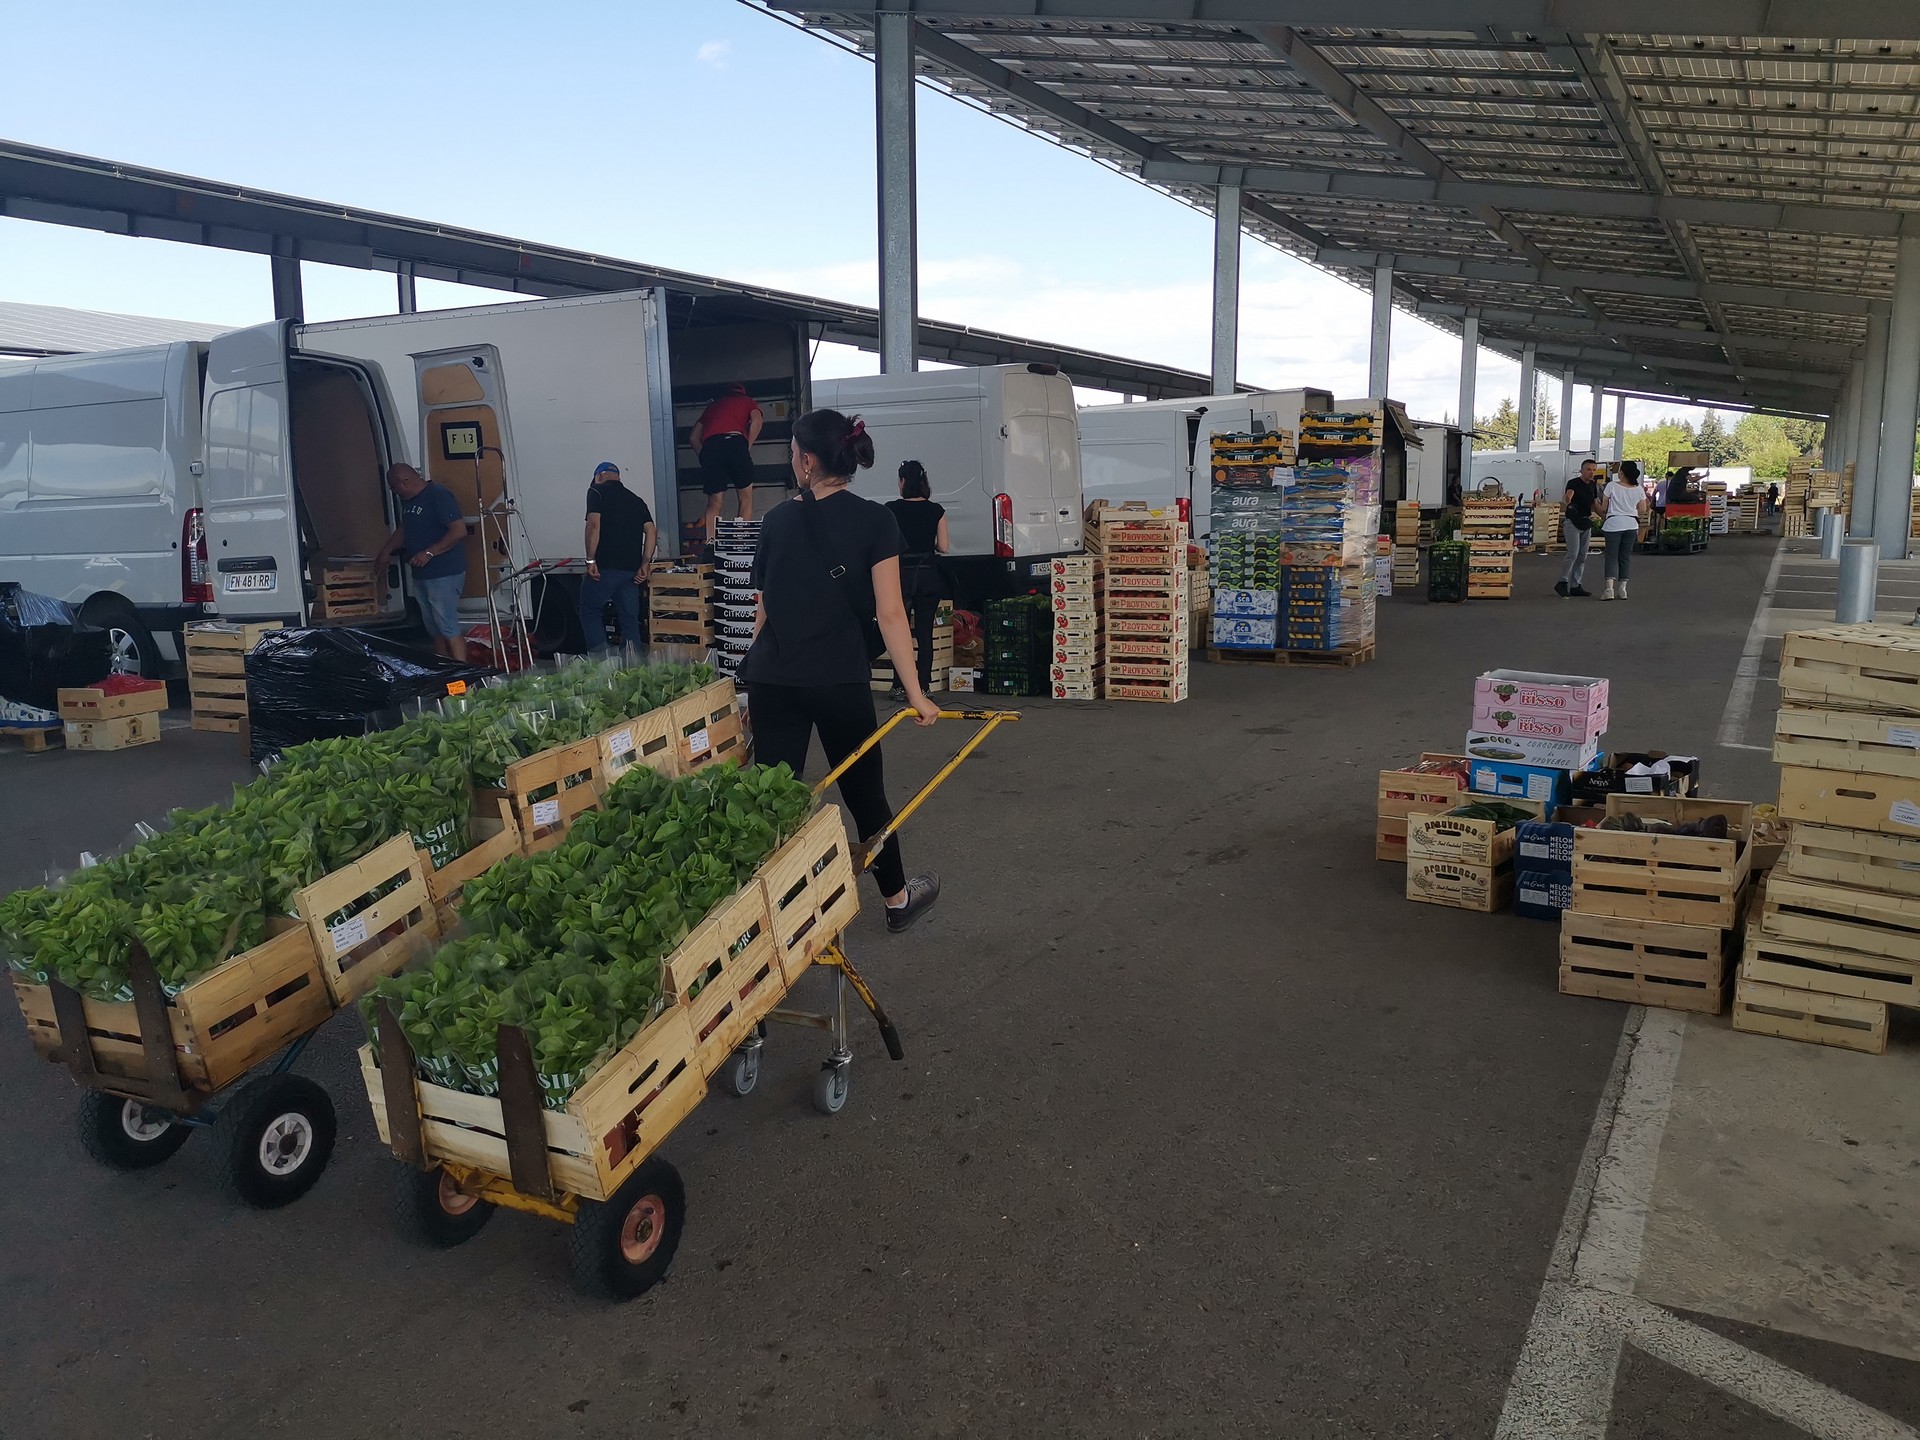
1624 504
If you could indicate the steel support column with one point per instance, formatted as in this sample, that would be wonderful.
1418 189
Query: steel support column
403 283
1381 350
1566 411
1619 429
1900 408
1866 444
894 152
1594 429
1226 289
288 304
1469 377
1523 442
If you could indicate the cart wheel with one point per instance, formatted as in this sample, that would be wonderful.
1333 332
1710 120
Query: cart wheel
831 1087
742 1071
435 1211
275 1138
126 1134
624 1246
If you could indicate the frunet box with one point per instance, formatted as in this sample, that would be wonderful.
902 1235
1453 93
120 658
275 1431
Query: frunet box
1567 726
1465 887
1069 567
1532 750
1246 604
1538 693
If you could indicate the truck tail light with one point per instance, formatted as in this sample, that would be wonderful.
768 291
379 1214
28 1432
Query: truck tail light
196 588
1003 526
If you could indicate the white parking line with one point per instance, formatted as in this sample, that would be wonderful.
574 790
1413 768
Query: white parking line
1746 675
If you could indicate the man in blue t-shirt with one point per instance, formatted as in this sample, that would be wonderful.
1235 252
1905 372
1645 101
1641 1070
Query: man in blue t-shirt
433 539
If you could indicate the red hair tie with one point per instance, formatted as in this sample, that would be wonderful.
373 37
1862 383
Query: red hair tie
859 429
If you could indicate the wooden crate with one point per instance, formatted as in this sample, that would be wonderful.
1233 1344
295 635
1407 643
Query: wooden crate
1461 887
1644 962
224 1023
494 835
368 919
1818 1019
90 703
1867 922
706 727
1864 801
1852 741
1675 879
345 590
1852 667
1863 859
548 791
1390 838
811 891
647 740
122 734
1460 839
1801 966
1410 792
1163 692
216 659
728 973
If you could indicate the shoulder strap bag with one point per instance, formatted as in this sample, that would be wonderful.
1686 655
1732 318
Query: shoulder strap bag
842 580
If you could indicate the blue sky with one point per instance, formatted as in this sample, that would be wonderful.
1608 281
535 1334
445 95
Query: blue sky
697 134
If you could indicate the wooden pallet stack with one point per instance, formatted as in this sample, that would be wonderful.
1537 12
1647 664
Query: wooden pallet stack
1794 521
1144 602
1406 544
1748 503
344 589
1547 537
1073 584
1486 524
1838 938
680 603
882 677
1913 516
217 671
1655 918
1719 518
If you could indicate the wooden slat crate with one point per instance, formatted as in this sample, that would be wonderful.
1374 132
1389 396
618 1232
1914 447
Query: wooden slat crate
728 974
1837 1020
1858 801
345 590
1644 962
224 1023
1853 741
1161 692
647 740
548 790
370 918
1866 922
811 894
1801 966
1852 667
1862 859
706 727
1675 879
216 661
495 836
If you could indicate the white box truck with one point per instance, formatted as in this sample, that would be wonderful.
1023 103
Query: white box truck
1002 455
1158 450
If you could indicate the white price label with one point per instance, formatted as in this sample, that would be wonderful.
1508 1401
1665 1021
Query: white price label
1906 813
348 933
620 742
1903 735
699 743
546 812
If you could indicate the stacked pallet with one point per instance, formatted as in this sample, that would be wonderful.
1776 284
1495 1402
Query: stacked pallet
345 589
1406 543
1144 603
1547 537
881 677
734 598
1794 521
680 603
1913 516
1838 938
1073 585
1340 430
1486 525
1654 917
1250 458
1748 503
1436 783
1718 515
217 671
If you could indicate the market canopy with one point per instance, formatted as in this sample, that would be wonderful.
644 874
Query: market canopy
1711 215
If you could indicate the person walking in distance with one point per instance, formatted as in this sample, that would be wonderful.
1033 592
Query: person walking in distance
1576 523
433 539
828 572
1623 505
723 439
620 540
923 530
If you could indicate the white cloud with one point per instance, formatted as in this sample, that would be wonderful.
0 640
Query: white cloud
714 53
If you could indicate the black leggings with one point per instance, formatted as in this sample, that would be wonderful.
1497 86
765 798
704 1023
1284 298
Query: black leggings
784 719
923 606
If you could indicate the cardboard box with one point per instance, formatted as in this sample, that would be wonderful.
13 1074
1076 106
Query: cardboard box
1464 887
1064 691
92 703
1537 692
1544 847
1542 894
1532 750
963 680
1509 781
1609 776
1557 725
1246 604
121 734
1232 634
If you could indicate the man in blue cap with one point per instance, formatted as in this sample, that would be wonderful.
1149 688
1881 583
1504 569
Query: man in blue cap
620 541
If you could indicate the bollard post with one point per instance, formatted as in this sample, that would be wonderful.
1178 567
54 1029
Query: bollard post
1832 534
1859 583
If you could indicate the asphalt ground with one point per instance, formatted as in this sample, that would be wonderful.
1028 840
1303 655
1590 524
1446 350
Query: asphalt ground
1203 1129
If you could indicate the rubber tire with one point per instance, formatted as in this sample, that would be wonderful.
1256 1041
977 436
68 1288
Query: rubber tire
106 1139
110 612
831 1087
244 1121
594 1254
741 1072
423 1215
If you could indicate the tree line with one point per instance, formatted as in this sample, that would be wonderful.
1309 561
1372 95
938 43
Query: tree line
1766 442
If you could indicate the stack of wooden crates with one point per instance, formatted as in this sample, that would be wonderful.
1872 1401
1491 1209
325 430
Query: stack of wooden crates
680 603
1486 524
1406 544
1434 784
882 677
1073 587
217 671
1144 602
345 589
1547 538
1838 938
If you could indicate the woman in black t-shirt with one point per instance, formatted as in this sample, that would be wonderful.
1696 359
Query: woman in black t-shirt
923 529
828 572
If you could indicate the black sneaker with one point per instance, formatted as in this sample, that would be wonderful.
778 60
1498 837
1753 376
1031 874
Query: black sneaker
1560 588
1577 592
922 891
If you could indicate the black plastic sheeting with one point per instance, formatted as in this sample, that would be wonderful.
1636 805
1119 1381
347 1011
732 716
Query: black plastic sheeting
315 684
45 647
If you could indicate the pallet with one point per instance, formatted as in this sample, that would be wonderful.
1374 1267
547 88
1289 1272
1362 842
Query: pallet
1854 741
1672 879
1865 922
1837 1020
368 919
1861 859
1852 667
35 739
1643 962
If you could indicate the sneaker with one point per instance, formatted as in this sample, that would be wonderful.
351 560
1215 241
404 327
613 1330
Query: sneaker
1578 591
1560 589
898 695
1623 590
922 891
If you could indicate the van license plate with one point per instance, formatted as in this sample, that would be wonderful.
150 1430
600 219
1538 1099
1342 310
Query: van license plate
1039 568
252 580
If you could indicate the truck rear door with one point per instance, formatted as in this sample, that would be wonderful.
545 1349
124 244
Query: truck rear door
1043 462
252 515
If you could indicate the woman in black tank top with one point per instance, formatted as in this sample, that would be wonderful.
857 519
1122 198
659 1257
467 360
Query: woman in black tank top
923 528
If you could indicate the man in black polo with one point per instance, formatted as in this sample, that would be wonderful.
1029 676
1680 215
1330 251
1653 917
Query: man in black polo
620 542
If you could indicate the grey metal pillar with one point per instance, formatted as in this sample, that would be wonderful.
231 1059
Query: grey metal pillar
403 282
1619 428
1226 289
1859 585
1866 444
1523 442
1381 351
894 147
288 304
1594 429
1900 408
1836 450
1566 411
1469 377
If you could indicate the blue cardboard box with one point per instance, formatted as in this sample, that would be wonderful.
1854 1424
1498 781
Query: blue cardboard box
1542 894
1509 781
1246 604
1544 845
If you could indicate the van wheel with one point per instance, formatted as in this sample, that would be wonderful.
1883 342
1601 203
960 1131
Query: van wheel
132 649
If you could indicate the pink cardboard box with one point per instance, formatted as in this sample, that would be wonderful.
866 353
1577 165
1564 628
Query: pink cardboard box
1579 699
1540 724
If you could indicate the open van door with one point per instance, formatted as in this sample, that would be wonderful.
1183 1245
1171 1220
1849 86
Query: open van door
467 447
252 516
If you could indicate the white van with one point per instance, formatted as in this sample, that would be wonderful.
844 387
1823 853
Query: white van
1002 455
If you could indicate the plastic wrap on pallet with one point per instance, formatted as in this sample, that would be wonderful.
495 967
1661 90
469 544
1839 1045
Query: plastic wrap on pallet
45 648
318 684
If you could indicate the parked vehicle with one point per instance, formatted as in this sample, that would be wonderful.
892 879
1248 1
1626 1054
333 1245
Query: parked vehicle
1433 466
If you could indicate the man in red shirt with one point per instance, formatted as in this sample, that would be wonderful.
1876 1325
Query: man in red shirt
722 440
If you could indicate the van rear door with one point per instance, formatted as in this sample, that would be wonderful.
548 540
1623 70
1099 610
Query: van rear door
1042 474
252 517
